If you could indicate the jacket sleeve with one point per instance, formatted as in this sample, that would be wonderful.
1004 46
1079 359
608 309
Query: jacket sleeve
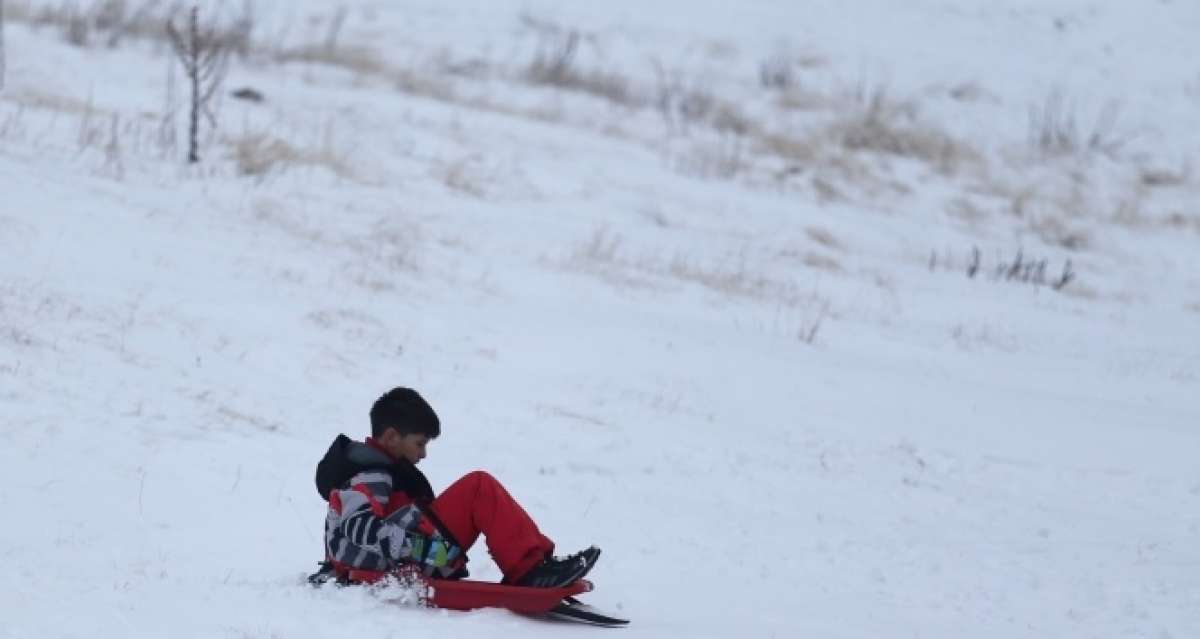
360 533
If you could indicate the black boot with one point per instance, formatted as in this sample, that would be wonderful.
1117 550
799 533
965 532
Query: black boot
556 572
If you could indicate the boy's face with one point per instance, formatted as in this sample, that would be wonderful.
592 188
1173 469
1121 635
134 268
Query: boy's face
410 447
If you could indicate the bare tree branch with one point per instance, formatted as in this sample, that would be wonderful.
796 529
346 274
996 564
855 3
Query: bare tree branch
204 57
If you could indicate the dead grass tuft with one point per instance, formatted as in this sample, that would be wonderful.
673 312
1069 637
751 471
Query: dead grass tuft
822 262
468 175
1163 177
885 126
555 64
801 99
1055 231
109 22
260 154
1054 129
824 238
358 59
37 99
966 210
722 158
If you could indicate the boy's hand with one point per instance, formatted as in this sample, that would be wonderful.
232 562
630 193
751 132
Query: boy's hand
434 551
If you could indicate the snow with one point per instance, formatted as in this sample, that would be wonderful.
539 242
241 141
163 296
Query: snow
761 382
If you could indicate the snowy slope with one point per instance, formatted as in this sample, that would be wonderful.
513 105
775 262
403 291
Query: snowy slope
739 351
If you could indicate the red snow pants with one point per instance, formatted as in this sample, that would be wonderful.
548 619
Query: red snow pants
478 503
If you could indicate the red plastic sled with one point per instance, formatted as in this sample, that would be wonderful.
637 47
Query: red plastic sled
469 595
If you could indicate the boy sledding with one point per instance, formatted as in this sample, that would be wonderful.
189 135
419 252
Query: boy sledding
383 518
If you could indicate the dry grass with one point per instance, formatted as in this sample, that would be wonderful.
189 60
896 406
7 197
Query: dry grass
602 247
824 238
882 125
555 63
260 154
1054 129
801 99
782 69
109 22
685 100
730 279
604 253
804 150
822 262
721 158
1163 177
825 190
1058 232
842 157
469 175
358 59
37 99
966 210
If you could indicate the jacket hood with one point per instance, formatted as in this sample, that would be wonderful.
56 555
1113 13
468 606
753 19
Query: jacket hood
346 458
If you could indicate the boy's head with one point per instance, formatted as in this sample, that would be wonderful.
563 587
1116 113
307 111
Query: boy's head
403 423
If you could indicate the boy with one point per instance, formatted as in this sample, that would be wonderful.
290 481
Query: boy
383 513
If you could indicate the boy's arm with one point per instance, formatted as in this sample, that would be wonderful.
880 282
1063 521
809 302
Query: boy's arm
360 535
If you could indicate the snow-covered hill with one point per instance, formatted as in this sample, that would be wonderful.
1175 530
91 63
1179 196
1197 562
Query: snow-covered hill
731 290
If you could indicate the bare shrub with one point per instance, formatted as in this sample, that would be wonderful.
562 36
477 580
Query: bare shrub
114 164
13 125
681 100
335 27
554 57
204 54
1022 269
76 29
781 69
109 14
885 126
167 136
777 72
810 325
90 130
554 64
1054 129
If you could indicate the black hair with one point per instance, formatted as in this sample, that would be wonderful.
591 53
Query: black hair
406 411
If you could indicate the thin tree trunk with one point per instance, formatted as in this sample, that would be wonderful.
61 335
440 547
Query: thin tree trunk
1 45
194 71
